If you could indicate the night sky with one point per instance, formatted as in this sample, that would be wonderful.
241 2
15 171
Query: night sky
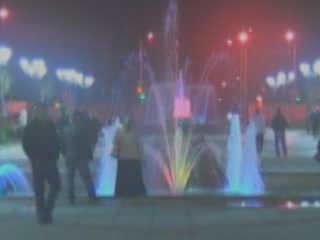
96 35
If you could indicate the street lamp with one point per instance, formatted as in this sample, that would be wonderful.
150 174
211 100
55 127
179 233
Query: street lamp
74 77
150 37
35 68
5 79
88 81
305 69
243 38
316 67
4 13
5 55
289 36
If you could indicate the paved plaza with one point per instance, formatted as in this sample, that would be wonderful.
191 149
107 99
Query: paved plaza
159 219
191 217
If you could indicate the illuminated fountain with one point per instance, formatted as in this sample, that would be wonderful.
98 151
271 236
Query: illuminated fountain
13 182
107 167
174 153
177 154
243 161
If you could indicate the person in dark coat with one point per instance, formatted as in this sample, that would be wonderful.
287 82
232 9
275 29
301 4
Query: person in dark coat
128 150
78 155
317 156
279 124
62 123
41 144
95 129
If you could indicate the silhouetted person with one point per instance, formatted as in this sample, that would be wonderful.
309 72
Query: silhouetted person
95 129
315 122
279 124
260 127
128 150
41 144
78 155
62 123
317 156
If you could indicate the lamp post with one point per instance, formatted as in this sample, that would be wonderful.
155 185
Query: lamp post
36 69
150 37
243 38
290 37
74 78
5 78
310 72
4 13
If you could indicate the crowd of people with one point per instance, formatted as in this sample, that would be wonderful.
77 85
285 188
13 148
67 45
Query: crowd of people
45 141
74 138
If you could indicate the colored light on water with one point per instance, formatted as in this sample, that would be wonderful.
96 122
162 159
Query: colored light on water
291 205
305 204
316 204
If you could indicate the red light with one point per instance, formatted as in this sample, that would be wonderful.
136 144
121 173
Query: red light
243 37
150 36
139 89
229 42
289 36
4 13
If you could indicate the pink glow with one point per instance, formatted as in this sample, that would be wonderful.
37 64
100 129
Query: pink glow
182 108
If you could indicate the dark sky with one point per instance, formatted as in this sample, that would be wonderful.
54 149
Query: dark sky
96 35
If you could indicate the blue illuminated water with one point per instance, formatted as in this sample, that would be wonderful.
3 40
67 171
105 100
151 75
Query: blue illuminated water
13 181
107 167
243 161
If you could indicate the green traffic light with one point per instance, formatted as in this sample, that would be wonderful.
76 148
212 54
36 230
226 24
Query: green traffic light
142 96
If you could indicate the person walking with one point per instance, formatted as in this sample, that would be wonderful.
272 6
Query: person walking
41 144
260 125
279 124
128 150
78 153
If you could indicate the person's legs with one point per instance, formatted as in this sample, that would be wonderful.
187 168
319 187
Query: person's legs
71 174
259 142
54 182
276 141
39 190
87 179
283 142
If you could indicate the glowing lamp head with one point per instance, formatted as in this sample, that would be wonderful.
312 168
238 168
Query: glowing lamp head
243 37
224 84
150 36
289 36
259 98
316 67
4 13
281 78
305 69
229 42
5 55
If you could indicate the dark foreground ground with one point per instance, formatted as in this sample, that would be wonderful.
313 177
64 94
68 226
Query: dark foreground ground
165 218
